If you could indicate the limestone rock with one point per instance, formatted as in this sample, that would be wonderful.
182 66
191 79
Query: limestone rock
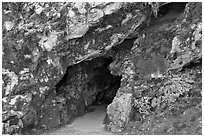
40 40
119 112
165 51
148 44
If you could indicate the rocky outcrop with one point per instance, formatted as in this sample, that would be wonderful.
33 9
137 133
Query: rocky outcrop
40 40
119 112
50 51
153 70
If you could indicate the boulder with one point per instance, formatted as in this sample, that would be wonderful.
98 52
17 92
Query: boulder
119 112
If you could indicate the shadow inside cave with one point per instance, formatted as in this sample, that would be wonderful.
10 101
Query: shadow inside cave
97 87
90 97
168 13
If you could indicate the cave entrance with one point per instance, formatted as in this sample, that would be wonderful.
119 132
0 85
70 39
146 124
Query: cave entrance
174 8
101 83
88 85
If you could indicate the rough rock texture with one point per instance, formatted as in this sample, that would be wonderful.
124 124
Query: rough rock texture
154 47
120 112
41 39
154 70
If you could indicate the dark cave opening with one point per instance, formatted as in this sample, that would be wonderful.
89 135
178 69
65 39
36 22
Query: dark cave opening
171 8
103 81
168 12
97 86
107 95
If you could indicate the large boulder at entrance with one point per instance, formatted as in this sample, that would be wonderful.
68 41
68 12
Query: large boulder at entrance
120 112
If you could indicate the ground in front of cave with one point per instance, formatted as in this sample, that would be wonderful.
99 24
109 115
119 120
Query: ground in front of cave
89 124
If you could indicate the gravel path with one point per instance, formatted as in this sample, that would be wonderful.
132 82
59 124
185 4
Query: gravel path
89 124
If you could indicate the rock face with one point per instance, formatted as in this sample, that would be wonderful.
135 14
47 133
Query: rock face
53 64
161 69
120 112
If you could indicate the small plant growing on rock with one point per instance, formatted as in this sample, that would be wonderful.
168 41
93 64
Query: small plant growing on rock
174 87
165 93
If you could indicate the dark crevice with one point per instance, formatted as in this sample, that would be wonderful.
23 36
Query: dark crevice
63 80
168 13
192 64
126 45
173 8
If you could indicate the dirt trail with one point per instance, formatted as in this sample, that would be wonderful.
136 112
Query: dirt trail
89 124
